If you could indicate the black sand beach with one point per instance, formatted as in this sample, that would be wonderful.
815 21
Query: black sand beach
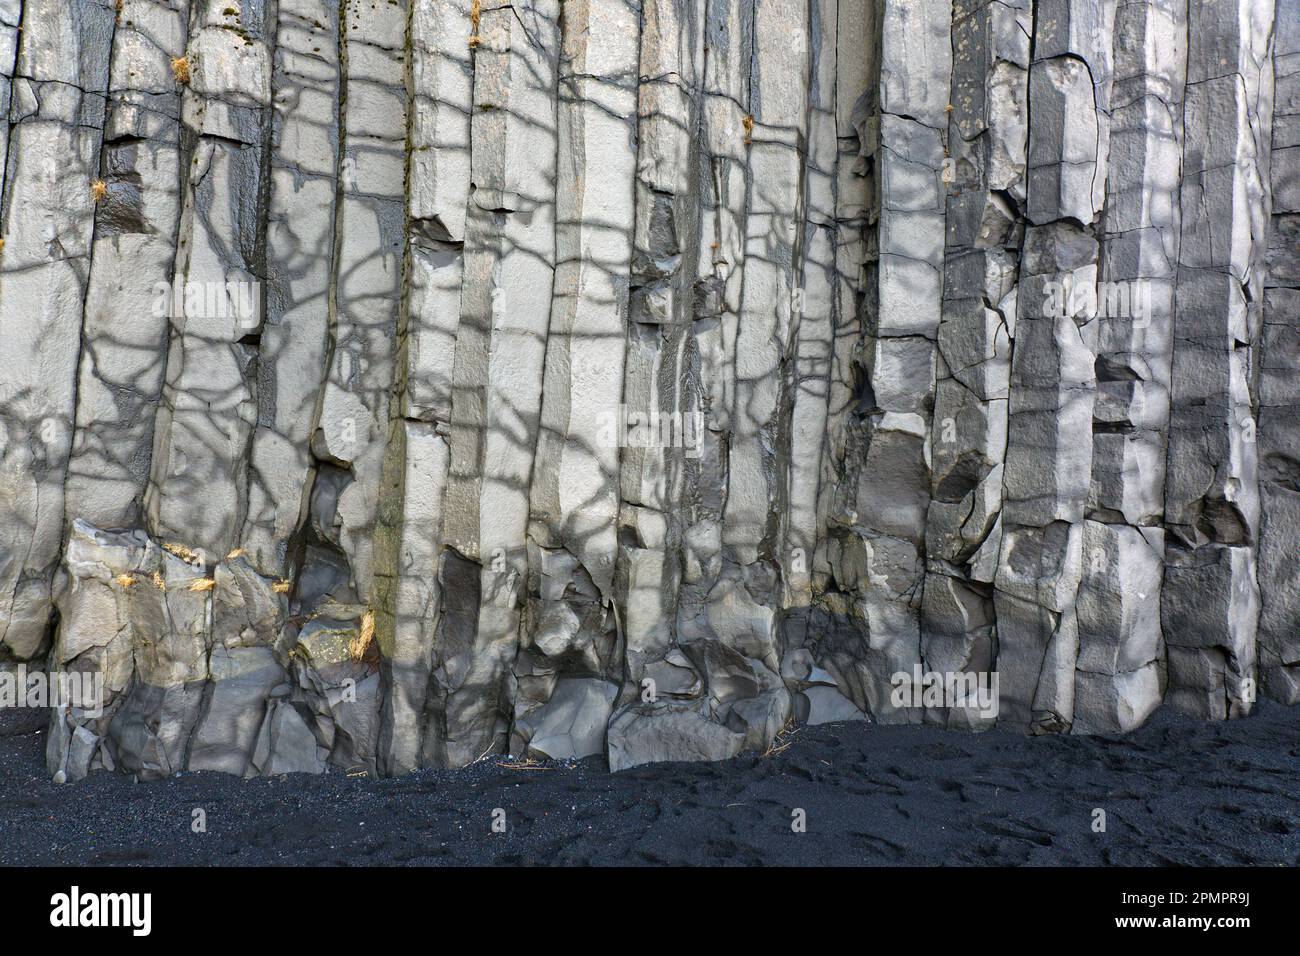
1179 791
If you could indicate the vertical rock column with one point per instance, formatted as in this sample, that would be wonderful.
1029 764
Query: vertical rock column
441 79
509 264
1121 656
300 243
11 12
570 657
821 657
773 136
354 430
1279 386
735 643
1210 601
1052 384
670 336
57 105
720 350
338 587
726 124
879 513
197 492
815 312
986 176
129 298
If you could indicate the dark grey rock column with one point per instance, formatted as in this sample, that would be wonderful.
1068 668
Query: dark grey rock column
1279 387
1210 601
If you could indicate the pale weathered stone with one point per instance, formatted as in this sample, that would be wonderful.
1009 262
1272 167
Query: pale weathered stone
391 385
208 409
130 295
300 245
57 109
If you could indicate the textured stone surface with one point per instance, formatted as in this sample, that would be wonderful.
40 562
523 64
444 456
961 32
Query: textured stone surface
1278 565
389 385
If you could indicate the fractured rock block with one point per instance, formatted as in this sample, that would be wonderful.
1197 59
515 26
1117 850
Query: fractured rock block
655 733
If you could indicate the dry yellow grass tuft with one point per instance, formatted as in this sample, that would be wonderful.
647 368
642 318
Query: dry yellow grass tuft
783 739
474 14
181 69
358 646
99 190
202 584
748 123
281 587
237 553
125 580
158 581
182 552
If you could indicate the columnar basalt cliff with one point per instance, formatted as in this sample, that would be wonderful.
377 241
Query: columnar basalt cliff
393 383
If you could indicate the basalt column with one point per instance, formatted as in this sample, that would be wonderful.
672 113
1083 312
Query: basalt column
404 384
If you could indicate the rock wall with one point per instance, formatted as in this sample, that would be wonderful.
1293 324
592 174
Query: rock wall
387 385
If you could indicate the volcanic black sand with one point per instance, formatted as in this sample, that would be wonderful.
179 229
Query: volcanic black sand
1178 791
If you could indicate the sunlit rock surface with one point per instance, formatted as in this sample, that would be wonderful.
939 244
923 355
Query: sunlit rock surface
391 385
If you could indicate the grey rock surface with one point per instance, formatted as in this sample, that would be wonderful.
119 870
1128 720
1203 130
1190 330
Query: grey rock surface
387 386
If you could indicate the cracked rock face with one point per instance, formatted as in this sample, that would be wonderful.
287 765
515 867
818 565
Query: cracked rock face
387 386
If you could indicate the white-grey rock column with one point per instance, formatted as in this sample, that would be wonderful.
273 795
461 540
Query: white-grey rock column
572 641
1210 601
737 644
1053 380
129 299
408 568
57 106
815 312
881 501
442 84
354 431
821 658
662 372
11 12
650 477
985 174
1120 670
819 374
300 246
197 492
497 375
